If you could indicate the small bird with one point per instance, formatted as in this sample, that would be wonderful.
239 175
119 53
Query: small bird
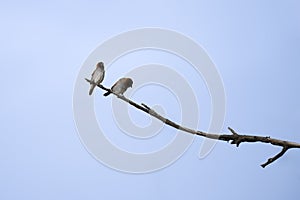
97 76
120 86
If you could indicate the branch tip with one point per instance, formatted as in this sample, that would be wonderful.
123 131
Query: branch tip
270 160
232 131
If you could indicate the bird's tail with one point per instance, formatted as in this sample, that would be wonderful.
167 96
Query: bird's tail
92 89
107 93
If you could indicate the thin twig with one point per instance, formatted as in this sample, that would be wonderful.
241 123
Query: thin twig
233 138
270 160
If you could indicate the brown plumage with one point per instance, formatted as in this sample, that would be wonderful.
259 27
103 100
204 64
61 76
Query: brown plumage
120 86
97 76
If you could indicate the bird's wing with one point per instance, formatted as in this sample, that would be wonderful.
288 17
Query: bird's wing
94 72
102 77
115 84
97 76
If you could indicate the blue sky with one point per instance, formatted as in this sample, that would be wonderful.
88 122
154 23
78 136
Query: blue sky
254 45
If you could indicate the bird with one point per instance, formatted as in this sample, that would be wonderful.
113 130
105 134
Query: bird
97 76
120 86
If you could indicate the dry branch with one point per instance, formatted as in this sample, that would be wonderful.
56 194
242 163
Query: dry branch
233 138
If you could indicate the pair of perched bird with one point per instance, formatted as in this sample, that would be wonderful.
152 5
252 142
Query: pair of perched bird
118 88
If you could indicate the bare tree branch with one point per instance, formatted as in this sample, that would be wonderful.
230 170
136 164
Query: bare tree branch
233 138
270 160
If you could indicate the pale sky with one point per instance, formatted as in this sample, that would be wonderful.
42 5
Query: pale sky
254 45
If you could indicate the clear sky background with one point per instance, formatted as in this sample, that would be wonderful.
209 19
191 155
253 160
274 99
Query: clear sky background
254 44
